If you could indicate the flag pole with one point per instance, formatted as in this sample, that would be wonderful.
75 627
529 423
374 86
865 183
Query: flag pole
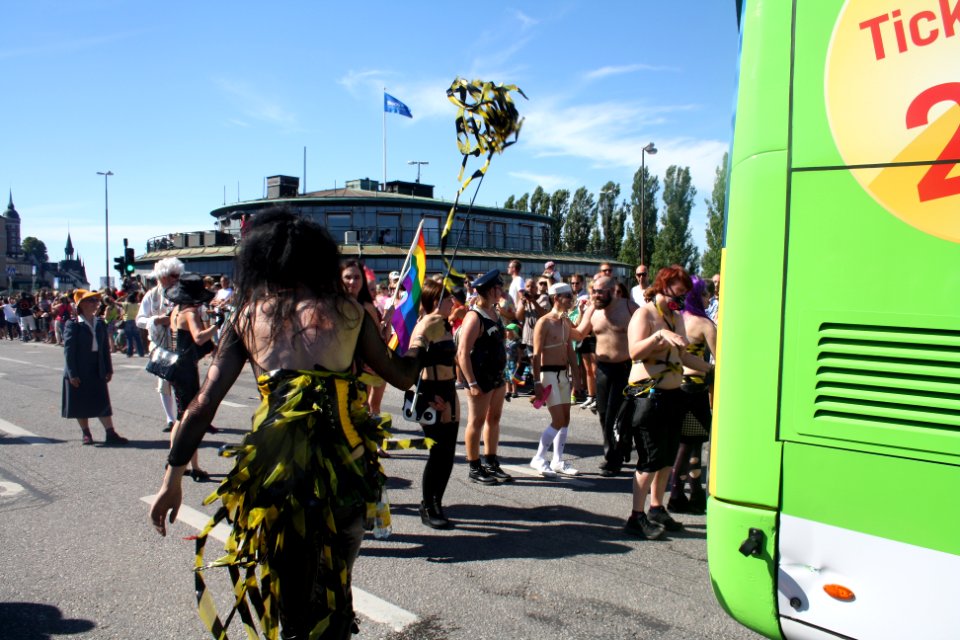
383 187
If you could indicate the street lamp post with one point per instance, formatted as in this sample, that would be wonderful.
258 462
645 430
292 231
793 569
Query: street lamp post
106 225
418 163
652 150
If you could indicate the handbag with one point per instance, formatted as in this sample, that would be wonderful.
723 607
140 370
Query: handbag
162 362
416 408
636 404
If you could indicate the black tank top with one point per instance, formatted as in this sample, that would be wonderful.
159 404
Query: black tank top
489 355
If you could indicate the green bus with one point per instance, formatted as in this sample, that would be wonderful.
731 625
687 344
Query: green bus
835 457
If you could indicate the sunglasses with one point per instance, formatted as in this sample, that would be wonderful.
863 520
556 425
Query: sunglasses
641 273
606 270
576 282
542 284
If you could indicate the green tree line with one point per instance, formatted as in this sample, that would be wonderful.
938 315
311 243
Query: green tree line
635 228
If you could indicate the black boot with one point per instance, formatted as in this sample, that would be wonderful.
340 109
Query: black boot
431 514
698 499
492 467
678 502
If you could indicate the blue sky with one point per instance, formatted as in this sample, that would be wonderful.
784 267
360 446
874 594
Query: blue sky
187 101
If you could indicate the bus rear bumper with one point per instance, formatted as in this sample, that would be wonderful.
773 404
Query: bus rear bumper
741 552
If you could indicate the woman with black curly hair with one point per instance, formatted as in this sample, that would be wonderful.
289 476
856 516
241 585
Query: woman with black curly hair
307 476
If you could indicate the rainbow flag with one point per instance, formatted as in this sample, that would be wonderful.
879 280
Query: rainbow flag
406 312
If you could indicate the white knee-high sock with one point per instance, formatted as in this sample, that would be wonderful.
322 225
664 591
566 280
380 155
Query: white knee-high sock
545 439
558 442
169 406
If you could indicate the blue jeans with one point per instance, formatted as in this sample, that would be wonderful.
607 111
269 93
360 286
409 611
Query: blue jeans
132 334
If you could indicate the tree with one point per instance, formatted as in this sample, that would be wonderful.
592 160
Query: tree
509 203
645 215
595 244
559 209
34 249
524 202
611 220
619 228
674 245
716 206
576 230
540 202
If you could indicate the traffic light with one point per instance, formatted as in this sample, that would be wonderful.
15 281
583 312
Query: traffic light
128 261
120 265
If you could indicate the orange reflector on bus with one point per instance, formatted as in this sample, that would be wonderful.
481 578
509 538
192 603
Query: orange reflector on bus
839 592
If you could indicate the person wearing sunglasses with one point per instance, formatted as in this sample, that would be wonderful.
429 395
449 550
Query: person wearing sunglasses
642 274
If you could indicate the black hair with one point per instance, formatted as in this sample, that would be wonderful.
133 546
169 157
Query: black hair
284 253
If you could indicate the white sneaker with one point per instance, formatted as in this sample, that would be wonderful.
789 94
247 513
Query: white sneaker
589 403
563 468
541 465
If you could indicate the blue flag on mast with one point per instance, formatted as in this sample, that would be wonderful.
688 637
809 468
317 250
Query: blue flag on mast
392 105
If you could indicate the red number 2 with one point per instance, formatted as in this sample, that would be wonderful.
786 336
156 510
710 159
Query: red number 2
935 183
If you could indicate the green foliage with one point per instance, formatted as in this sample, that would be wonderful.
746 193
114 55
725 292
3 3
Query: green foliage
595 244
540 202
523 204
611 222
716 207
674 244
630 249
34 249
559 210
510 203
644 212
582 213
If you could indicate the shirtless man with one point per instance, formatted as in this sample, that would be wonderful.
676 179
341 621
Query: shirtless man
608 318
552 359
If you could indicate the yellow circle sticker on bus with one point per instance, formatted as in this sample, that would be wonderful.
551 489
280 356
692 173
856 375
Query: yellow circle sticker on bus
892 89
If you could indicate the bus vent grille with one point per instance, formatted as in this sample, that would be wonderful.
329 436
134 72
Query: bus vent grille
893 375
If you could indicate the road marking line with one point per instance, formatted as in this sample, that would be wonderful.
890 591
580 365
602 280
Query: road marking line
23 434
233 404
129 366
364 603
32 364
9 489
527 471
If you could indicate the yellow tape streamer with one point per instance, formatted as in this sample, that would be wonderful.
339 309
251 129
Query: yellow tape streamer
313 441
487 122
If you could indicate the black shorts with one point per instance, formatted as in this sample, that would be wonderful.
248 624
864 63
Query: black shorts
588 345
656 428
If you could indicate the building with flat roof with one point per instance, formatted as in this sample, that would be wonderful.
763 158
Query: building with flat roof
378 225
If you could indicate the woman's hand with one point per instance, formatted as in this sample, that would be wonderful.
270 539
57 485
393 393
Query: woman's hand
475 390
673 338
442 407
168 499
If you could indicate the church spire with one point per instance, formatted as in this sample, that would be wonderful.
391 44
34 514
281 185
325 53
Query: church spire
11 212
68 250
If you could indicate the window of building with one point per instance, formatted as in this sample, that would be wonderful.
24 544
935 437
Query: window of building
388 228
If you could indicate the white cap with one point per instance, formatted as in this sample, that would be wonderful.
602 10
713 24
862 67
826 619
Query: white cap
394 275
560 288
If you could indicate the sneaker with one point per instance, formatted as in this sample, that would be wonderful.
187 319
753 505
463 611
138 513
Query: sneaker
506 397
641 527
480 476
588 403
169 427
540 465
563 468
492 467
662 516
608 471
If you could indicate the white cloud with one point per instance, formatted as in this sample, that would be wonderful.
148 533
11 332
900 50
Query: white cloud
255 105
526 21
604 72
548 182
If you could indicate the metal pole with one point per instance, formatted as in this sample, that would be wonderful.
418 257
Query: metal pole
106 224
643 191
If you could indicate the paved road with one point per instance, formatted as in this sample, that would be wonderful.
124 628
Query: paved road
536 559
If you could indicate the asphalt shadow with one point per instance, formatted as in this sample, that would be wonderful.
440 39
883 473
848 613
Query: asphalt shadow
491 532
35 621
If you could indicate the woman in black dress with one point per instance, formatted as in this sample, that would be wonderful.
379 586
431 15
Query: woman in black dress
194 340
88 369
